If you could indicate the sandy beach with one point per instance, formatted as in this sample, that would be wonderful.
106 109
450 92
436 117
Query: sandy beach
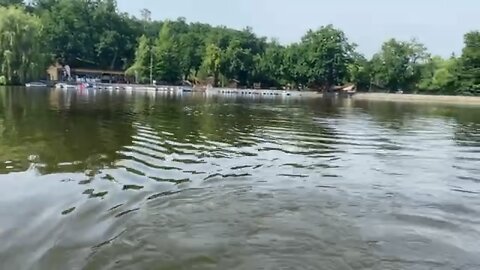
418 98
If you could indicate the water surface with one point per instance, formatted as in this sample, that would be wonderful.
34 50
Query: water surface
115 180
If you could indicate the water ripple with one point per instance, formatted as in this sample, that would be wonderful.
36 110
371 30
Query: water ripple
134 181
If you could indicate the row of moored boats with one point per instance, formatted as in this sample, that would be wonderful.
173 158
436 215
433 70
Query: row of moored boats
111 87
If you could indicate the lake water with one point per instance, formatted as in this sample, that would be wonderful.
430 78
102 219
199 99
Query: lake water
111 180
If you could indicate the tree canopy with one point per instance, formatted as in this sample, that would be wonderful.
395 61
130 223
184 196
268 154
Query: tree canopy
94 34
11 2
469 64
327 55
21 50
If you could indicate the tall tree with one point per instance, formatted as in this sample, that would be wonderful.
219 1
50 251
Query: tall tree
237 62
113 38
295 69
21 52
166 55
88 33
397 65
328 53
359 72
190 49
269 65
469 66
438 75
141 66
69 31
212 62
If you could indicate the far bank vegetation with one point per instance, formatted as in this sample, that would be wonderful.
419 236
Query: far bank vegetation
94 34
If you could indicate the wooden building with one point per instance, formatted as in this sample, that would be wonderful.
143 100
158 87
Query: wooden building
57 73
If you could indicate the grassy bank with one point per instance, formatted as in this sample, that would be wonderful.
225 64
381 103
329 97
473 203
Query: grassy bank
418 98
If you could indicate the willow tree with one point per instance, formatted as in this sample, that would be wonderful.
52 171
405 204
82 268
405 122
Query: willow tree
21 55
141 66
167 66
212 62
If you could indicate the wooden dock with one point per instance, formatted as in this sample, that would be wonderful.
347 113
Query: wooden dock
261 92
256 93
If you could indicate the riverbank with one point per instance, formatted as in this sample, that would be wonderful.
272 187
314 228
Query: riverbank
418 98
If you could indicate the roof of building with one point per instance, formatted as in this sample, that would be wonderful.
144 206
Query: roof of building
97 71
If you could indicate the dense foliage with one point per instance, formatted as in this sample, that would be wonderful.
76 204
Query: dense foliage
21 52
93 33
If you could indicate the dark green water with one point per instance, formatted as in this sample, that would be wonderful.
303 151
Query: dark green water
101 180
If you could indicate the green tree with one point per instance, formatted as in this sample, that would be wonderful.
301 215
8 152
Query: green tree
438 75
469 64
212 62
237 62
167 66
141 66
191 51
328 53
21 52
114 38
69 29
88 33
269 65
11 2
295 69
397 65
359 72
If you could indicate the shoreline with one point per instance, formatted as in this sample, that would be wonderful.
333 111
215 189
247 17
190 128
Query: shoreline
418 98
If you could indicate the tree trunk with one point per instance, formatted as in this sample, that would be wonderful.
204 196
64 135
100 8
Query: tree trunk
112 65
215 79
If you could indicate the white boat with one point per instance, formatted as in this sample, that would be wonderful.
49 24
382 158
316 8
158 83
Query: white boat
65 86
35 84
286 93
186 88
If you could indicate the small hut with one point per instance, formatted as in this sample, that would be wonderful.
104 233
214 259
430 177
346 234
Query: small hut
233 83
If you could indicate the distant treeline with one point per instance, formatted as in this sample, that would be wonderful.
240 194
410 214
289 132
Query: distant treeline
93 33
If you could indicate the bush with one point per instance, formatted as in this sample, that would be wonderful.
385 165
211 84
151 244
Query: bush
3 80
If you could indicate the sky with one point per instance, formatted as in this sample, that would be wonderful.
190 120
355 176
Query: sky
439 24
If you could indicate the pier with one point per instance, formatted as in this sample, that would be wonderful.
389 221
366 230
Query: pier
262 92
259 93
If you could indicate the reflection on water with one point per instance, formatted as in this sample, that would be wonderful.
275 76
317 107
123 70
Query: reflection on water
115 180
